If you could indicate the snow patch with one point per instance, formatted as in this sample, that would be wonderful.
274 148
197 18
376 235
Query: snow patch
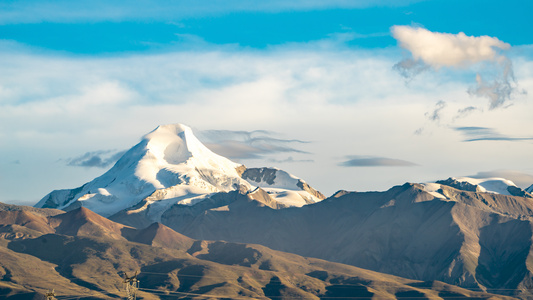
433 188
289 197
490 185
392 202
282 186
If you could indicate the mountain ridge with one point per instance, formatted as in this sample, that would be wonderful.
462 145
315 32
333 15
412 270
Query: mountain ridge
79 264
405 231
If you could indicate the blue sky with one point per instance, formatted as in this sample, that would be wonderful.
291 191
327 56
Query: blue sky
84 29
314 87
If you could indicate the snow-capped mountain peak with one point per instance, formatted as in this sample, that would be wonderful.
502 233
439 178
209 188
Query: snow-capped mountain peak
175 144
174 150
170 158
170 166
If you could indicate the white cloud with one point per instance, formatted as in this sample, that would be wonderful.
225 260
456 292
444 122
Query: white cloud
448 50
438 50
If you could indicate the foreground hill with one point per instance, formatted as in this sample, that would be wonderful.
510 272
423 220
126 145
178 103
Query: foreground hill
83 255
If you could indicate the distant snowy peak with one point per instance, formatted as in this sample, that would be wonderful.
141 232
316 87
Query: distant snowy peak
485 185
282 186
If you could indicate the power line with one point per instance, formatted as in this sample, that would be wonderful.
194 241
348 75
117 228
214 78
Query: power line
131 284
50 295
347 285
163 293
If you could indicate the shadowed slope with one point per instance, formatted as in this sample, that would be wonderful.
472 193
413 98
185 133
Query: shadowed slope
160 235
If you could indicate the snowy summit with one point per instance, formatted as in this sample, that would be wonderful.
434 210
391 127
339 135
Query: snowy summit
171 166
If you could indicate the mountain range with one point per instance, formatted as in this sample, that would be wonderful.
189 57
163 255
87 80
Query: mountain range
82 255
473 233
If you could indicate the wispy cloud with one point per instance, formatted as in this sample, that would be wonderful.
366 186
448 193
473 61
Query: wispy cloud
247 144
289 159
369 161
464 112
499 90
409 68
474 134
96 159
435 115
437 50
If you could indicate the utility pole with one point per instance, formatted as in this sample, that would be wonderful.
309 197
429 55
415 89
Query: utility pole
131 284
50 295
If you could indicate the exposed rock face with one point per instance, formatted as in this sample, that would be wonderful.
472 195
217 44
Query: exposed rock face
272 180
240 169
516 191
493 185
304 186
460 185
260 175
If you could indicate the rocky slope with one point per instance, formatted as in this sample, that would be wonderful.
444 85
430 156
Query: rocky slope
83 255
